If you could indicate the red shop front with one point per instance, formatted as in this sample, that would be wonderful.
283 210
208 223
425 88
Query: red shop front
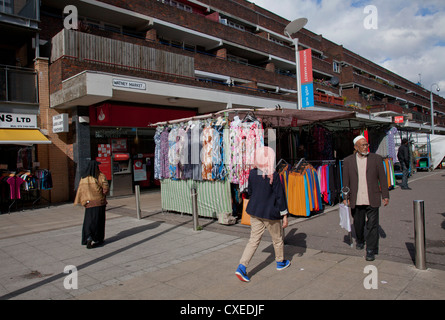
123 143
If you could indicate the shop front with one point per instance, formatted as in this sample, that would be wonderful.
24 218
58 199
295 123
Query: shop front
122 143
21 176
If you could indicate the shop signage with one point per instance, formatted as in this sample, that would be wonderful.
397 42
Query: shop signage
60 123
17 120
399 119
129 84
307 86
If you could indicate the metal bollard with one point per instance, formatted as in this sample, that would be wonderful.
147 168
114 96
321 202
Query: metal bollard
419 234
137 192
195 208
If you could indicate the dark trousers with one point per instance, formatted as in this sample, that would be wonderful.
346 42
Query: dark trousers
367 218
405 171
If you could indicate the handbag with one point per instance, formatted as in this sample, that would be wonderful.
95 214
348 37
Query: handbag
245 218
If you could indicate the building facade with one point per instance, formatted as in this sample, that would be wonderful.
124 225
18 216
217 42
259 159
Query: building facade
111 68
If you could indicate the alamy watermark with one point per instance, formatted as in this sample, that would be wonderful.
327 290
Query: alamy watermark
371 21
371 281
71 281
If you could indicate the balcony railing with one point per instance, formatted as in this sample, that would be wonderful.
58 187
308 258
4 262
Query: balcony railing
90 47
18 85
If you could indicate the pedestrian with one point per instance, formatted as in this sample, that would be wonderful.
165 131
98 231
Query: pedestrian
364 174
267 208
404 160
91 194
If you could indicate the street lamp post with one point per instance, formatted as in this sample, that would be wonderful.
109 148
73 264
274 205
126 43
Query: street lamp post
432 105
293 28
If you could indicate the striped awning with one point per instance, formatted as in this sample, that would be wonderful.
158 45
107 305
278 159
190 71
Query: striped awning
22 137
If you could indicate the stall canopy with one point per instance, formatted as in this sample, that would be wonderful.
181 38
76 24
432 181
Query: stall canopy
277 117
437 149
291 117
22 137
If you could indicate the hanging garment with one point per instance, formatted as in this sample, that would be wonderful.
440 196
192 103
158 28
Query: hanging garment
188 167
164 165
206 153
173 157
181 154
157 160
218 169
15 183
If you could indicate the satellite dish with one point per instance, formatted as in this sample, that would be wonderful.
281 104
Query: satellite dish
295 26
334 81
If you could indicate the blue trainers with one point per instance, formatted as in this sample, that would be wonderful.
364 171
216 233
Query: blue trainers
241 273
283 265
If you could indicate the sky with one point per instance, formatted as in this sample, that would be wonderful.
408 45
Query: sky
404 36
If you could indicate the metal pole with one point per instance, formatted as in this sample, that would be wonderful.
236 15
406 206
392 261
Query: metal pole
432 110
298 74
419 234
195 208
137 192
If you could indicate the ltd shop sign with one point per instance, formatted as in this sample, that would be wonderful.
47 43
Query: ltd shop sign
17 120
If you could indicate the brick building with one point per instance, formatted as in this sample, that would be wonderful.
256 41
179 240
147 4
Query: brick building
132 63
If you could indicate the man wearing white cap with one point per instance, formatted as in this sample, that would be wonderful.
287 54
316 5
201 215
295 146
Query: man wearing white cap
365 176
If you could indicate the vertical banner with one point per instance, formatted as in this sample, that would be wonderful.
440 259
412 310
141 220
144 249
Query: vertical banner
307 87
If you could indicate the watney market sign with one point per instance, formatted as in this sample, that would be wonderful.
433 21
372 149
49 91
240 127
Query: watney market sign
17 120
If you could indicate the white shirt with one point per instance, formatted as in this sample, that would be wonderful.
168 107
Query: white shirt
362 192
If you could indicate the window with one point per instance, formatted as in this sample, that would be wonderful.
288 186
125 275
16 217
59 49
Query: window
232 24
272 39
237 59
6 6
178 5
336 66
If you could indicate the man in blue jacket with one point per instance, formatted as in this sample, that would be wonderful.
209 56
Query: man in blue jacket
267 207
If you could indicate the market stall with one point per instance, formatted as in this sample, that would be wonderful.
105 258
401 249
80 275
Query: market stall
214 152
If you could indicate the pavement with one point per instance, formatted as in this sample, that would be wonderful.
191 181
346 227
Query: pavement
161 257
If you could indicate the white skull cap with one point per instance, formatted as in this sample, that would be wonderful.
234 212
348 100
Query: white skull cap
358 138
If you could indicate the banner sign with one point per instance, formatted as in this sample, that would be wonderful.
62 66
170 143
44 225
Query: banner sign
307 95
307 87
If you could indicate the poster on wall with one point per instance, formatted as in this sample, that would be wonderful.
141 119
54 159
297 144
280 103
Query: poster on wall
139 170
104 157
105 166
119 145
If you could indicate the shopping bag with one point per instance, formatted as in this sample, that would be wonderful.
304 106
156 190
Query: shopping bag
245 218
345 221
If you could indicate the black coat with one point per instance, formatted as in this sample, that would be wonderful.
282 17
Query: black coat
266 201
403 155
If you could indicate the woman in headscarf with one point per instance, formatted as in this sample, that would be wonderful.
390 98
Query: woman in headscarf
91 194
267 207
